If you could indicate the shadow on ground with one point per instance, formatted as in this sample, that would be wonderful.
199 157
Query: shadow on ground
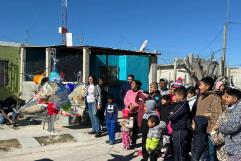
29 121
44 159
121 158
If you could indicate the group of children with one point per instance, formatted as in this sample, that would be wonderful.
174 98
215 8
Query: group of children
166 128
151 127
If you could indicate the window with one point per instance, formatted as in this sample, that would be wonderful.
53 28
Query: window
3 73
112 75
69 64
35 62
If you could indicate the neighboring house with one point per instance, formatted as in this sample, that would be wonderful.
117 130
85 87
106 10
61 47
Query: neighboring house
9 69
172 71
167 71
234 75
31 60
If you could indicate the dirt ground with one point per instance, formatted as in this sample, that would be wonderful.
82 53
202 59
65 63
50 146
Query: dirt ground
11 144
53 139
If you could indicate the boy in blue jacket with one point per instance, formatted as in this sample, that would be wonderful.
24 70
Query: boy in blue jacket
181 124
111 113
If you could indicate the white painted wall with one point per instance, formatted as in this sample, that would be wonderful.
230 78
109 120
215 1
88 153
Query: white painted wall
169 75
236 73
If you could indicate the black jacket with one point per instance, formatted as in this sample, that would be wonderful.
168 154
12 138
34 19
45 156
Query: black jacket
164 112
199 141
144 127
123 91
181 116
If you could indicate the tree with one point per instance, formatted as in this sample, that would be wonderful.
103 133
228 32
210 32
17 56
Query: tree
198 68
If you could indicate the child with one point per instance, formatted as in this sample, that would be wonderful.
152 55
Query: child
165 108
111 113
149 108
175 85
231 127
192 100
164 111
154 136
126 128
181 124
209 104
155 93
191 97
7 113
200 138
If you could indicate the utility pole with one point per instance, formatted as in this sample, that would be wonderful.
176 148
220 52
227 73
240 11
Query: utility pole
224 48
225 41
175 70
64 27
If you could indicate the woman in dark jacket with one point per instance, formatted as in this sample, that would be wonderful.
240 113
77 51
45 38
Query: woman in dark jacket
104 92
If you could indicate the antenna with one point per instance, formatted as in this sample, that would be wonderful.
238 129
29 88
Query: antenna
64 29
81 39
143 46
27 32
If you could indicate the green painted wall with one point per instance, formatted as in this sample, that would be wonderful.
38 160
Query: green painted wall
11 54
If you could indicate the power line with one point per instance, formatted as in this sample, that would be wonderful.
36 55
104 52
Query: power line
217 51
228 11
235 23
211 42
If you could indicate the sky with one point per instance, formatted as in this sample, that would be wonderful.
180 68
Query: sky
174 28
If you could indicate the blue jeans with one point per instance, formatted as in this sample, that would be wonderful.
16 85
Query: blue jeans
211 150
95 124
2 119
110 124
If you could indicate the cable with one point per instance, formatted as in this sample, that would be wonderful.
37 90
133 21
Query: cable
235 23
211 42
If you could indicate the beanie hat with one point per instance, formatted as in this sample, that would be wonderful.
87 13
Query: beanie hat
151 105
218 85
178 83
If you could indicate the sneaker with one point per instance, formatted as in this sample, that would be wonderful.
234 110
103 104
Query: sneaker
107 141
97 135
52 133
91 132
112 142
